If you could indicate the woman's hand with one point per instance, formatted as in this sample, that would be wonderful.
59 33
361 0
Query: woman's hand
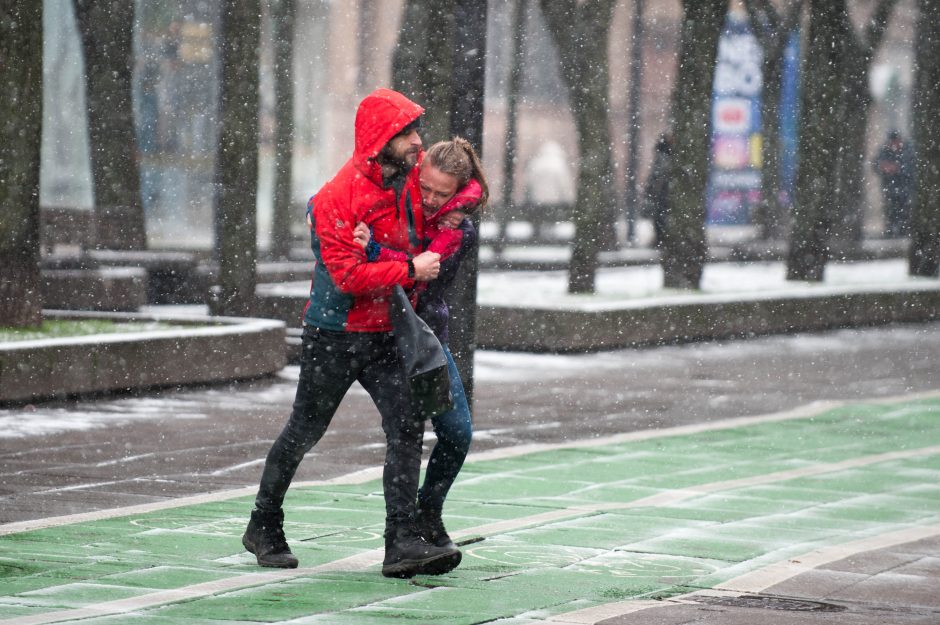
452 220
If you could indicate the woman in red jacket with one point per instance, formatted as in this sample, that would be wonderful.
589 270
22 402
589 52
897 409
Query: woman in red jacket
453 186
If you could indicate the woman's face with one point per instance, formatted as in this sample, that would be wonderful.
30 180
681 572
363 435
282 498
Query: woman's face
436 188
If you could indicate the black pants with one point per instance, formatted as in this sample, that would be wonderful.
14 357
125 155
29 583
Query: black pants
330 363
897 214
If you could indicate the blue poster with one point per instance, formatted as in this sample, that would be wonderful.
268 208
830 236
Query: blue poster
789 118
735 181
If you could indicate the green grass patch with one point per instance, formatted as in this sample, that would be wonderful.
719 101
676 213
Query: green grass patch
52 329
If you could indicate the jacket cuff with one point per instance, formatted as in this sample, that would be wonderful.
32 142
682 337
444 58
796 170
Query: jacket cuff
373 250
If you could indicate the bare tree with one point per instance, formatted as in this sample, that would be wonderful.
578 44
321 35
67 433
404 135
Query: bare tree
773 29
822 129
684 250
632 136
925 227
20 133
517 52
237 166
581 31
859 54
467 121
423 63
369 62
106 33
282 21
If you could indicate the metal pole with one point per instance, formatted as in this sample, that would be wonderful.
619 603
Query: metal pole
633 120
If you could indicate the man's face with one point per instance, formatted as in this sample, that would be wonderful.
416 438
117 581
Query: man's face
436 188
402 150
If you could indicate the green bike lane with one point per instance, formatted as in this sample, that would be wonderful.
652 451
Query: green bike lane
549 531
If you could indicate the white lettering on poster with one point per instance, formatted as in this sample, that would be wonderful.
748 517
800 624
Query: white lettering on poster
738 71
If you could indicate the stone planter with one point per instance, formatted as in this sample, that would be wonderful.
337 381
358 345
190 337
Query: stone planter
196 350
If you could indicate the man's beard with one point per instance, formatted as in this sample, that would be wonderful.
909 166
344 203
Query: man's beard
398 161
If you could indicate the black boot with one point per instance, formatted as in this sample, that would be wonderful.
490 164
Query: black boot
408 554
429 524
265 538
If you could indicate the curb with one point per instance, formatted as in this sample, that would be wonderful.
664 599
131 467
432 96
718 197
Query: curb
204 350
699 318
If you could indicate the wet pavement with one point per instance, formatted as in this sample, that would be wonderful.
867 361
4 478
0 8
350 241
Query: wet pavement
600 484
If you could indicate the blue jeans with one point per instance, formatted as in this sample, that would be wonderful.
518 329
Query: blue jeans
330 363
454 430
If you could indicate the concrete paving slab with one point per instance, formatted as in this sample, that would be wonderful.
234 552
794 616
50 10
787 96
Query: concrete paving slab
818 583
872 563
928 566
893 589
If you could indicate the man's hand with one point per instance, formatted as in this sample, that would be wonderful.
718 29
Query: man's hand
361 234
427 266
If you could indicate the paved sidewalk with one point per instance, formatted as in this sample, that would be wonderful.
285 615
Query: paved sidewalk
824 514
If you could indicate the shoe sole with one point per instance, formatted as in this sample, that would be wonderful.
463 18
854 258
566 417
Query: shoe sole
442 565
271 564
438 565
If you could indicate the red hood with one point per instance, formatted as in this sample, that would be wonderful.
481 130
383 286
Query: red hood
381 115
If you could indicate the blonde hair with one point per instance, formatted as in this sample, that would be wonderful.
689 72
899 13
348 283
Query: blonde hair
458 158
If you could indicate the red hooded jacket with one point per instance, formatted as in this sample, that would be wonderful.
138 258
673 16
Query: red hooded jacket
443 241
347 292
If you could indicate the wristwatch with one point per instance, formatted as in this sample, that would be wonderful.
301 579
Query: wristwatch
411 269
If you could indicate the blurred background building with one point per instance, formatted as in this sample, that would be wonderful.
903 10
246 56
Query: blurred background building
343 50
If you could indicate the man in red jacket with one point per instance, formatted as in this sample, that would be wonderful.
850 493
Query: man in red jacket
347 333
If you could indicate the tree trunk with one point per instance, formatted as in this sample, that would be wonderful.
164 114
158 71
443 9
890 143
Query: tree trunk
632 139
849 212
772 220
823 112
773 31
581 31
20 139
684 249
467 121
237 165
517 52
106 33
423 63
282 19
859 53
369 65
924 257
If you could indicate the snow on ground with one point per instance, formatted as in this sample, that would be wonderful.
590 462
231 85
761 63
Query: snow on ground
643 285
37 421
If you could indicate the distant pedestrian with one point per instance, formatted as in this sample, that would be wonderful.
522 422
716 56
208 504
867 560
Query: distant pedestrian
656 193
894 164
